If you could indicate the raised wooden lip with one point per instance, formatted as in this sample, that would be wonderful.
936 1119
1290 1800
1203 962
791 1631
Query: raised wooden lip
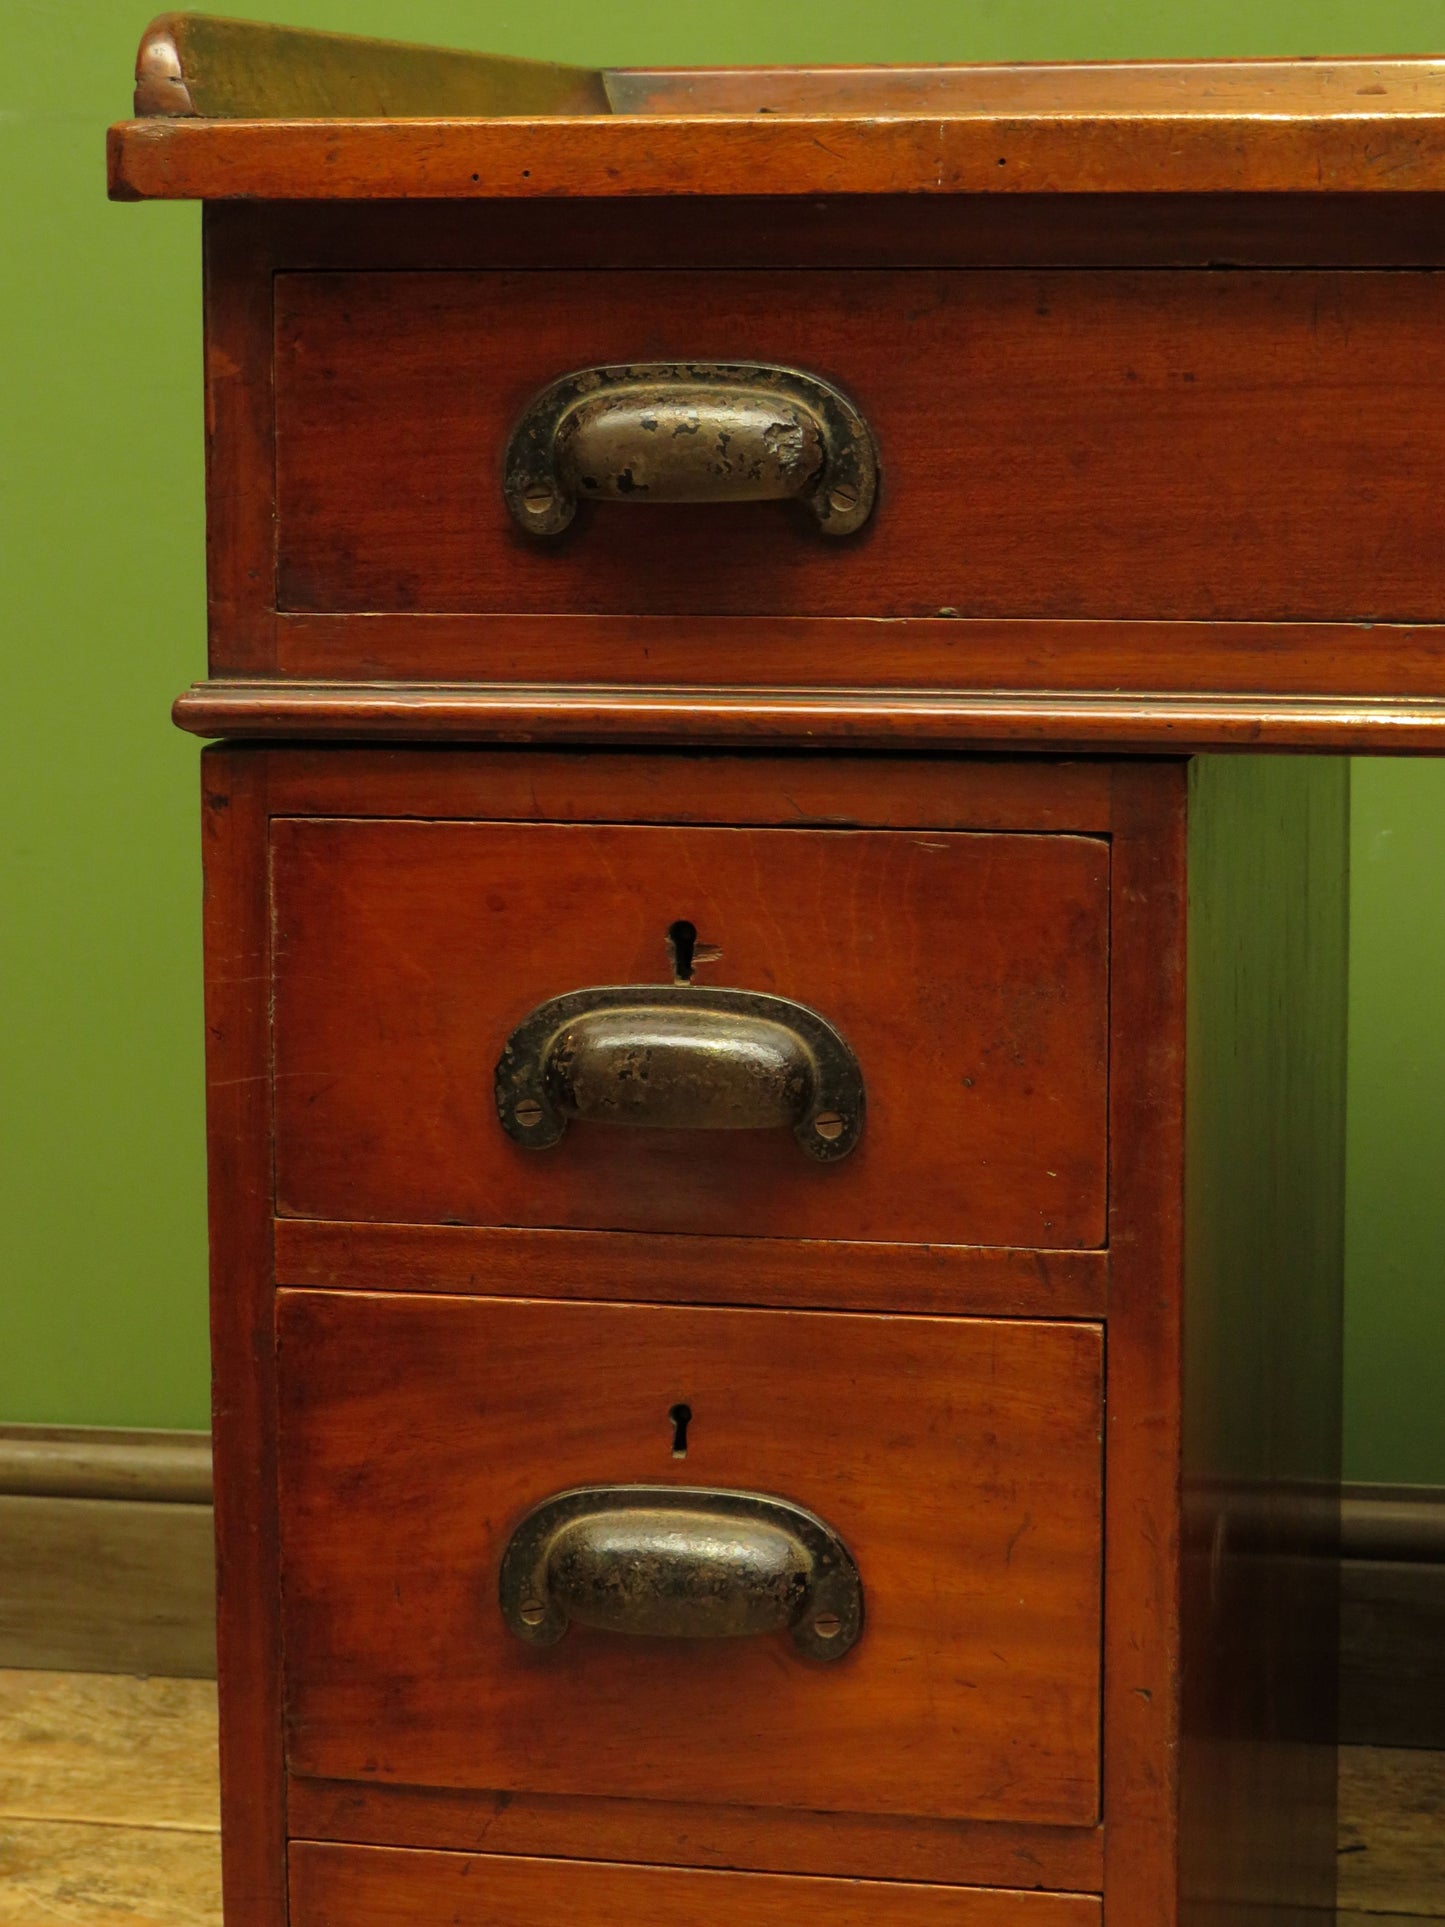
236 109
217 67
1054 720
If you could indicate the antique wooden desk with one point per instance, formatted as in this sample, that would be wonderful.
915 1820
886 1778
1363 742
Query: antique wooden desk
775 1111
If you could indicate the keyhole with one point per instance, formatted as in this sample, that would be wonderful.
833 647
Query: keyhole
681 1416
682 942
686 952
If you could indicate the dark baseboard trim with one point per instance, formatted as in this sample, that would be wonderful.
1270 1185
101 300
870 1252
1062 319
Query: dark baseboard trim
1392 1616
106 1557
89 1462
1395 1522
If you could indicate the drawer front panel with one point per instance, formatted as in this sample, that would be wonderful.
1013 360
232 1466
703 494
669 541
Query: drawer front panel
1203 445
334 1886
958 1460
967 972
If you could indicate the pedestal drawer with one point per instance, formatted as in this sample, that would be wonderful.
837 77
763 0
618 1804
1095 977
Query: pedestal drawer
957 1464
966 974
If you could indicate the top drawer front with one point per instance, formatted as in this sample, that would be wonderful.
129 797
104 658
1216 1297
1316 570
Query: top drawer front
1054 444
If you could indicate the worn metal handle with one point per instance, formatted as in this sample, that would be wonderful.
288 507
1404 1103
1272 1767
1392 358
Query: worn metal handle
680 1057
690 432
680 1562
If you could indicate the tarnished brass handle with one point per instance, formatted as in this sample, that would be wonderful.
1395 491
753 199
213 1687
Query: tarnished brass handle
680 1562
680 1057
690 432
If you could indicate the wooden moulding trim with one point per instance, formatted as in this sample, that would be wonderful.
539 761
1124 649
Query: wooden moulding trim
91 1462
874 718
1398 1523
777 154
672 1268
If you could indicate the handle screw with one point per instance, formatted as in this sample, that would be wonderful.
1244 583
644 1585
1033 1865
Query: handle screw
531 1612
527 1111
827 1625
538 498
828 1125
842 497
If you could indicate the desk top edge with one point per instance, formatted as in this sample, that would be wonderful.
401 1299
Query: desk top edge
1056 722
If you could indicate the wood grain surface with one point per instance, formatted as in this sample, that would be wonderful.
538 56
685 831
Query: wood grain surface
1391 230
672 1267
1146 1131
674 1833
1118 445
959 1459
907 654
108 1750
1392 1830
68 1874
243 1422
968 973
686 785
1238 151
240 439
372 1887
193 63
107 1584
1060 721
108 1801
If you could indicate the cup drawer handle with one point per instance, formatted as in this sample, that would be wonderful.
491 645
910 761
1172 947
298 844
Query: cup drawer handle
680 1562
690 432
680 1057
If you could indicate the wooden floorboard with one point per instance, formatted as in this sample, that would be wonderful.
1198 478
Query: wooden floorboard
95 1747
108 1801
1392 1831
108 1810
1384 1920
55 1871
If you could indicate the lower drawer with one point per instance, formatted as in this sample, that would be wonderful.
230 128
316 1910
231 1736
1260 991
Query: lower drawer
333 1886
957 1461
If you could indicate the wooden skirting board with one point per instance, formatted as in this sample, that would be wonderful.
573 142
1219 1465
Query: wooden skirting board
106 1560
1392 1661
106 1566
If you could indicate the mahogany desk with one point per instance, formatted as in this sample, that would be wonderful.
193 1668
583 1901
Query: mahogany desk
776 1113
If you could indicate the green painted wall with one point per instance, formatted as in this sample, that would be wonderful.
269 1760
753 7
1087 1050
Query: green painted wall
101 1281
